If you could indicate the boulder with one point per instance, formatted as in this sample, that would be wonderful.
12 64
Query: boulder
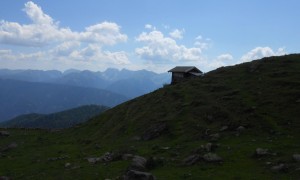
211 157
191 160
240 129
296 157
138 163
4 133
261 152
67 165
94 160
10 147
138 175
127 156
224 128
214 137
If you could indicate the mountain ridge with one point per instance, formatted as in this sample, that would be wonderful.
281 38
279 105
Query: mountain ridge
57 120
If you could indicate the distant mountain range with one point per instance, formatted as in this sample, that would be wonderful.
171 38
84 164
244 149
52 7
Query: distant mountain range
37 91
19 97
63 119
136 83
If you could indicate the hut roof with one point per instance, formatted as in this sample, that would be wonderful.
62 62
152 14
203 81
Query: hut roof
185 69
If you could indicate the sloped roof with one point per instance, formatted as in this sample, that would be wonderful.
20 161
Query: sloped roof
185 69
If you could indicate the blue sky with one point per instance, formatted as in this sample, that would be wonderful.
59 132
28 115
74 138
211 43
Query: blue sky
153 34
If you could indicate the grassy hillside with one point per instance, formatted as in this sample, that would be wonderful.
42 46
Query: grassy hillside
248 112
63 119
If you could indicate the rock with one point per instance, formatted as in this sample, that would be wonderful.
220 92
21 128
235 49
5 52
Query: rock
224 128
191 160
209 147
127 156
211 157
10 147
279 168
107 157
138 175
94 160
261 152
4 133
154 131
296 157
67 165
240 129
138 163
214 137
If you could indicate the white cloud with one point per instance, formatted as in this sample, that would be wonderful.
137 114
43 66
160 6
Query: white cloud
221 60
159 47
44 30
59 43
225 57
260 52
36 14
148 26
177 34
202 43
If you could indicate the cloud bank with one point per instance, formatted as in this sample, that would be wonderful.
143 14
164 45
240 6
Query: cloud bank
62 42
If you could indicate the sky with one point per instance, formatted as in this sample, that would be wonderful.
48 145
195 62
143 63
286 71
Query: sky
155 35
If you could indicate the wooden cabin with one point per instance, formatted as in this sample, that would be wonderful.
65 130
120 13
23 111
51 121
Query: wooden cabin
181 73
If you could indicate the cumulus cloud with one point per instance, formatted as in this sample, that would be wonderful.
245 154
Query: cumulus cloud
159 47
177 34
225 57
260 52
60 43
202 43
221 60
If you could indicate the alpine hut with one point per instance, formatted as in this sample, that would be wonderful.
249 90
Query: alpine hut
181 73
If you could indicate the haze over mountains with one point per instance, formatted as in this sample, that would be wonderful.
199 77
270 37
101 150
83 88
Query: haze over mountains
36 91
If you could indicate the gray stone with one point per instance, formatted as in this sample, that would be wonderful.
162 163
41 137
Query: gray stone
94 160
208 147
139 163
138 175
107 157
211 157
241 129
10 147
224 128
296 157
191 160
127 156
67 165
261 152
214 137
